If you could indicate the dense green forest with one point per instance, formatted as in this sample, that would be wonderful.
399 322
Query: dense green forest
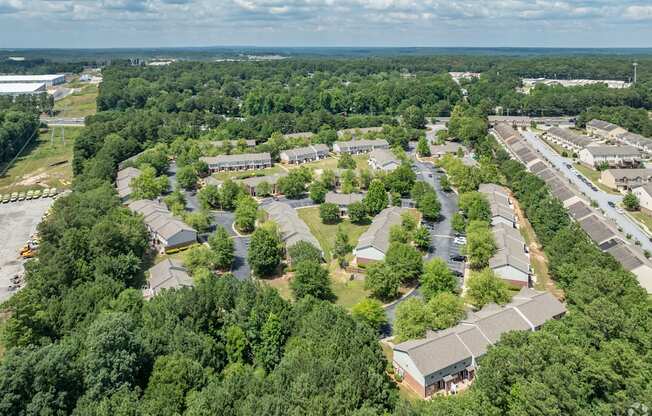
81 340
16 128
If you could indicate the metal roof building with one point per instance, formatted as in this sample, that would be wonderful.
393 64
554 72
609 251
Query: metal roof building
15 89
48 80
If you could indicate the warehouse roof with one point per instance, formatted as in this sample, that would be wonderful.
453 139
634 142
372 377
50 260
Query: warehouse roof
29 78
21 88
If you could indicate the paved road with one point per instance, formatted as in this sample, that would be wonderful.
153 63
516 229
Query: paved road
601 197
241 269
18 221
441 234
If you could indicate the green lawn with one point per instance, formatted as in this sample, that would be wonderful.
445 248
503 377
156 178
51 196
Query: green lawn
331 163
325 233
557 148
643 218
594 176
240 174
348 292
42 164
79 104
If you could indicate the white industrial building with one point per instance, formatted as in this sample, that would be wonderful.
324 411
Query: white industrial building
49 79
15 89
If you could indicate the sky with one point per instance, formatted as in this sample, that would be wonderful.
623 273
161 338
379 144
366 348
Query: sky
444 23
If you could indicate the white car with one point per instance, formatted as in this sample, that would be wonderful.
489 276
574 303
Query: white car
459 240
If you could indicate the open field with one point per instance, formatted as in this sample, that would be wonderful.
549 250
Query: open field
331 163
325 233
42 164
241 174
78 104
348 292
594 177
643 218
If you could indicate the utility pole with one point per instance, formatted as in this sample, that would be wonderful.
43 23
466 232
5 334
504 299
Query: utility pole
635 64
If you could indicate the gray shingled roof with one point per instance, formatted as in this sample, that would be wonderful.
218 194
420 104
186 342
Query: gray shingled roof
159 219
538 167
383 157
471 338
630 174
343 199
579 210
301 153
625 256
602 125
448 147
570 136
505 131
377 235
168 274
613 151
291 227
254 181
596 229
353 145
123 181
241 158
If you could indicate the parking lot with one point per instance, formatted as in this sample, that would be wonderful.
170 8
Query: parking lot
18 221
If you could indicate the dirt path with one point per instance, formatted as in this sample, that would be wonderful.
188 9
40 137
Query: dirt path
538 258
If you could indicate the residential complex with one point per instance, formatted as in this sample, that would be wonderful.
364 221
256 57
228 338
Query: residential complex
353 147
167 274
591 221
644 195
613 156
167 232
291 227
243 161
625 179
123 182
603 129
253 184
383 159
568 139
451 356
374 243
304 154
343 200
511 262
439 150
644 144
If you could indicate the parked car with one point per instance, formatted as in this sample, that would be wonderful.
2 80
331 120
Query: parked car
620 210
14 197
21 196
611 204
459 240
458 257
37 193
6 198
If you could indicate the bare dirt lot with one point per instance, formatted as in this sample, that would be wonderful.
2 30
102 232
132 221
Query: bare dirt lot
18 221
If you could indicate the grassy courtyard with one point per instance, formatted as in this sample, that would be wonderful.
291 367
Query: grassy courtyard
325 233
241 174
331 163
79 104
643 218
43 163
